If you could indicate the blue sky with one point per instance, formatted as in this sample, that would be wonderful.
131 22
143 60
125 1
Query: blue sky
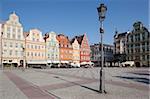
75 17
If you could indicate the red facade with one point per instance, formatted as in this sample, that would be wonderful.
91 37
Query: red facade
84 48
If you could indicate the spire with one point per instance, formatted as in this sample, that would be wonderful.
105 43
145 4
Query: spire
14 12
128 31
116 31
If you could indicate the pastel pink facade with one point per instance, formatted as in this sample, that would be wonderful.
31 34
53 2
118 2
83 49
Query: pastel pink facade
35 46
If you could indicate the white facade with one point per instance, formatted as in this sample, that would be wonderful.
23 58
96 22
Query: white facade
13 40
76 52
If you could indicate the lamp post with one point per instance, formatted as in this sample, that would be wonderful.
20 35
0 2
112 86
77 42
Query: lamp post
45 39
26 34
101 12
24 62
2 51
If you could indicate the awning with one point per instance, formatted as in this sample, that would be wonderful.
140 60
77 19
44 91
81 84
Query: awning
49 61
37 62
91 63
55 61
84 63
64 62
13 61
75 64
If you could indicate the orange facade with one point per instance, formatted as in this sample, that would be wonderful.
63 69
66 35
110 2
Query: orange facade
65 48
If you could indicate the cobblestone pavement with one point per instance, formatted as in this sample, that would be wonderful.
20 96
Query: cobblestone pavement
75 83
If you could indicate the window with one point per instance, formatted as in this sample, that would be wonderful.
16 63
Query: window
131 38
147 48
19 37
19 30
143 57
5 44
21 45
32 46
11 44
8 35
35 47
5 52
16 45
28 46
143 36
14 30
13 36
16 53
147 57
10 52
28 54
8 29
32 54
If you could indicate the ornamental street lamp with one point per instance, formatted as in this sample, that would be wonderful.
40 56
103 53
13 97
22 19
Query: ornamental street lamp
101 12
45 39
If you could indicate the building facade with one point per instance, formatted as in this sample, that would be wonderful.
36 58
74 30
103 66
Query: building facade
1 44
96 54
65 49
35 46
138 45
52 47
13 41
75 52
19 47
120 42
84 48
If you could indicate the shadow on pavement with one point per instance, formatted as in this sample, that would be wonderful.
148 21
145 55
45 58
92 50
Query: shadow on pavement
137 79
77 84
146 74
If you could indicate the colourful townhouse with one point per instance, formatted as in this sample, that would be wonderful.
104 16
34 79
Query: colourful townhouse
12 41
65 49
35 47
84 48
52 48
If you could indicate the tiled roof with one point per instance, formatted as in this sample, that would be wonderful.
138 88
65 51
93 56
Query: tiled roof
72 40
79 39
122 34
